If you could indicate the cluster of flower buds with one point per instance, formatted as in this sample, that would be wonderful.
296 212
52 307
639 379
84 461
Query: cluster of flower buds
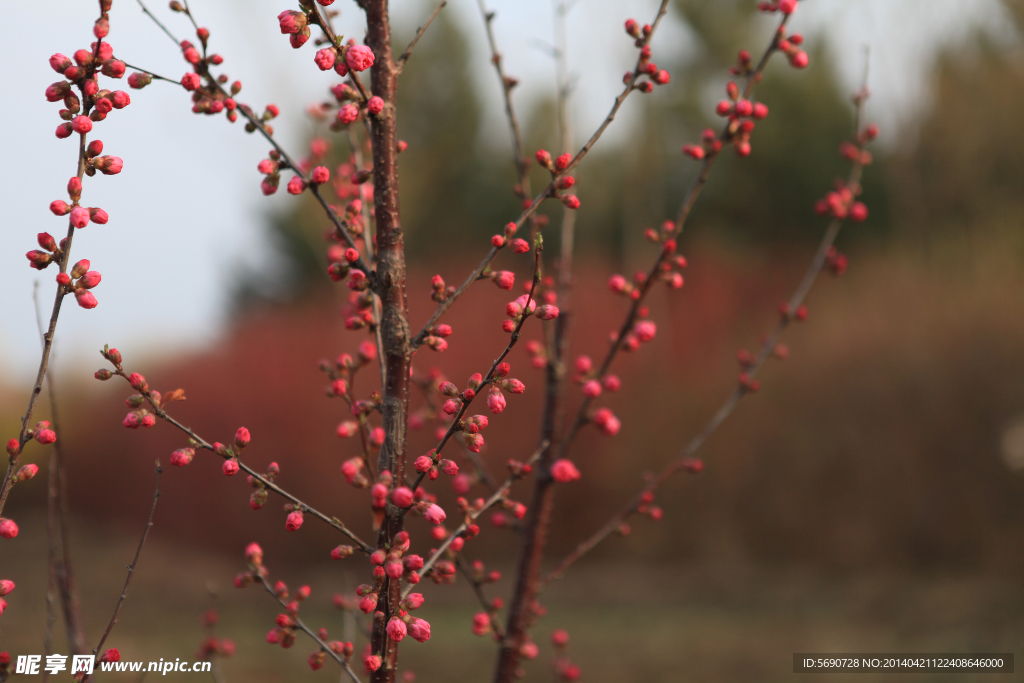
840 203
654 75
41 432
50 253
525 306
741 113
606 421
432 465
255 569
139 416
836 262
592 384
83 72
499 241
6 587
646 508
562 182
285 624
259 497
562 666
213 646
80 280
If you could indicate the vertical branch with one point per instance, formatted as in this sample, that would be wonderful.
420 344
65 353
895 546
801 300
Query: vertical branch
389 285
60 575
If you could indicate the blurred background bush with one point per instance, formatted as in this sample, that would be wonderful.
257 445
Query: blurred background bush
870 497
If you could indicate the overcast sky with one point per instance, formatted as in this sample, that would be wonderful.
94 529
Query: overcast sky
187 209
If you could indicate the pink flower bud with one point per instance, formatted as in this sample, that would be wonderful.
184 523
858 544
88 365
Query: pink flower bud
108 165
254 554
190 81
325 58
496 401
520 246
564 471
592 388
413 601
799 59
111 655
419 629
371 663
368 603
59 62
293 521
229 468
451 406
139 80
396 629
59 207
90 279
645 330
434 514
320 175
547 312
612 383
296 185
242 437
85 298
543 158
563 161
45 436
26 473
375 105
291 21
182 456
8 529
120 99
114 68
55 92
137 381
858 212
607 422
402 496
359 58
348 429
98 216
7 586
79 216
423 463
348 114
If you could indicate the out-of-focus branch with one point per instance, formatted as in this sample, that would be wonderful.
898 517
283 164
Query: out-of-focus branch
131 567
419 34
305 629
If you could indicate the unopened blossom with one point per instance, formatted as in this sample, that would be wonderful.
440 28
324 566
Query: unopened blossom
592 388
348 114
375 105
371 663
396 629
645 330
7 586
79 216
564 471
190 81
402 496
291 21
607 422
85 299
325 58
293 521
419 629
434 514
359 57
8 528
496 401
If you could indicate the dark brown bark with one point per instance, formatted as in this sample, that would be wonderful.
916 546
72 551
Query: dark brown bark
389 285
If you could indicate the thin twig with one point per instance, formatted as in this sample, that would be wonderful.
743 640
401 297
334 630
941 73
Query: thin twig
305 629
496 497
530 298
726 409
203 443
131 567
682 214
550 189
478 591
400 63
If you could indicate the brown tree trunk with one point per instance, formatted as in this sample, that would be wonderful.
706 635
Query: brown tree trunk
389 284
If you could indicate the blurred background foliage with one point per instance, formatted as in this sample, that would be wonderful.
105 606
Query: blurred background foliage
871 497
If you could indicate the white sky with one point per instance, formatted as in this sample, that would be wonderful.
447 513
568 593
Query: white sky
187 209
